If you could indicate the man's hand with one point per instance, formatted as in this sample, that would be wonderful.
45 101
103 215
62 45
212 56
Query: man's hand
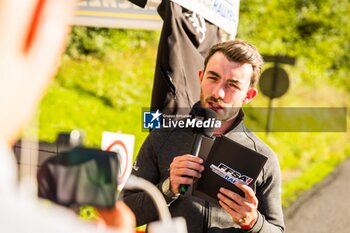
183 169
243 210
121 217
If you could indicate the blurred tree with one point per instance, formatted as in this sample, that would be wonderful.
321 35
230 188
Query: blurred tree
99 42
316 31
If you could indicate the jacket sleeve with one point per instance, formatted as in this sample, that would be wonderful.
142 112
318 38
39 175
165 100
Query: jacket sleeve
146 167
270 216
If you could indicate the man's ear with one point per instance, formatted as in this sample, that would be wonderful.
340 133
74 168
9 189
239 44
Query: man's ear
200 75
251 93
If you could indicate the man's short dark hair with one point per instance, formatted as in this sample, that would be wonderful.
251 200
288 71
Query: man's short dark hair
242 52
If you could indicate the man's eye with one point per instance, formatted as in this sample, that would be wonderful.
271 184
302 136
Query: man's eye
234 86
212 78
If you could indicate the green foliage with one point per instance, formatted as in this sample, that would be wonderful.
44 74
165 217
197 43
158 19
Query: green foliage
88 41
316 32
99 42
305 157
102 94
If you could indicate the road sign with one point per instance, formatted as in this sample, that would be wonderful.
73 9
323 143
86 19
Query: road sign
279 59
118 14
123 145
124 14
274 82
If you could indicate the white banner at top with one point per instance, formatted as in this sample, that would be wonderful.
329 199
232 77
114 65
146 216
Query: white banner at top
222 13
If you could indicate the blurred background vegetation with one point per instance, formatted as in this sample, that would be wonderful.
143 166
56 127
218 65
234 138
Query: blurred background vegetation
106 78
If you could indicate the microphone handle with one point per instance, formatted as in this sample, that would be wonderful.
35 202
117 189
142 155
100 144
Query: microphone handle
196 145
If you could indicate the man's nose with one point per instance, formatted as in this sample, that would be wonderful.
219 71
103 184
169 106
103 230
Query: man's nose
219 92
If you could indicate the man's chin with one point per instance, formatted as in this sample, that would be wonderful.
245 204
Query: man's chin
220 115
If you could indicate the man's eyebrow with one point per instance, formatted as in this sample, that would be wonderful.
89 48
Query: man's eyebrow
211 72
232 80
236 82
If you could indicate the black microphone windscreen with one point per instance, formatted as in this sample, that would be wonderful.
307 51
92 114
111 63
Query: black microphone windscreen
204 114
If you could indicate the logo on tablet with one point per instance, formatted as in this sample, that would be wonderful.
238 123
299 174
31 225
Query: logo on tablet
229 174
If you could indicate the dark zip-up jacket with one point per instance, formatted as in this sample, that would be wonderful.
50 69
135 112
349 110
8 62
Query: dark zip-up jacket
153 163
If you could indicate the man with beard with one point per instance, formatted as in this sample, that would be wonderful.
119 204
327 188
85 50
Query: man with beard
231 70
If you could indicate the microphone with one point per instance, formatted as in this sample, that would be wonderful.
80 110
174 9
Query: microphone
200 114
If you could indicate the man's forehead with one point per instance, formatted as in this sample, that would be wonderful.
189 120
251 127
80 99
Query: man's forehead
220 57
218 68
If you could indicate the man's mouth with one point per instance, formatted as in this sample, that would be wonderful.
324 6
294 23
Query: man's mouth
214 106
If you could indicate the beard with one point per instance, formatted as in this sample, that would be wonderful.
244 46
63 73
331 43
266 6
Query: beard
224 113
